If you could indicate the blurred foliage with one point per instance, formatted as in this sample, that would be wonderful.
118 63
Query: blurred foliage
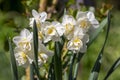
14 16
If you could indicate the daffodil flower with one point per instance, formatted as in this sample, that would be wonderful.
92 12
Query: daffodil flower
24 40
76 43
68 22
22 58
86 20
38 17
53 31
43 54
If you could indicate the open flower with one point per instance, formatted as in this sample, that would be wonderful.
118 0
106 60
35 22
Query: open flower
24 40
43 54
68 22
38 17
86 20
53 31
22 57
76 43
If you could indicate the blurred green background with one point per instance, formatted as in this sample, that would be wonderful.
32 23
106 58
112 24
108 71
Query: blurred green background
14 16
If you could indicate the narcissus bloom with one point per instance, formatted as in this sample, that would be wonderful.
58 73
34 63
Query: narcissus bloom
22 57
86 20
24 40
68 22
38 17
53 31
76 43
43 54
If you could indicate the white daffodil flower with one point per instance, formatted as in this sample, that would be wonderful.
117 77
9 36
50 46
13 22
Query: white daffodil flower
22 58
76 43
24 40
86 20
38 17
85 40
53 31
68 22
43 54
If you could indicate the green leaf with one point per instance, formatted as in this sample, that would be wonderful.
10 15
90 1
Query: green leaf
31 72
114 66
96 68
71 66
35 41
57 61
97 31
51 74
13 61
79 57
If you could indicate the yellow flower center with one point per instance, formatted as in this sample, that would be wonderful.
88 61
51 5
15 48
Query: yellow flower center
69 28
51 31
24 44
23 55
84 23
77 42
40 35
41 57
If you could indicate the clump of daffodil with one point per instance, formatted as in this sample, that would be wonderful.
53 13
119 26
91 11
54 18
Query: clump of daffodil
75 31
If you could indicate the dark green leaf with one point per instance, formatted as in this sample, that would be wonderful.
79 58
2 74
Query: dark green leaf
79 57
96 33
71 66
114 66
31 72
97 65
57 61
13 61
51 74
35 41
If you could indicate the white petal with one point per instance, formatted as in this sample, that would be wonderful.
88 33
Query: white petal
35 13
90 15
81 14
83 49
68 19
43 16
25 33
94 23
16 39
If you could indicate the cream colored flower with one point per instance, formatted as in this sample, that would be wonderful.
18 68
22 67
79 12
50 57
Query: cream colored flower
53 31
38 17
21 57
24 40
76 43
86 20
69 23
43 54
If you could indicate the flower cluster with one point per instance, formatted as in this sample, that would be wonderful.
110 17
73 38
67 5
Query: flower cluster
75 31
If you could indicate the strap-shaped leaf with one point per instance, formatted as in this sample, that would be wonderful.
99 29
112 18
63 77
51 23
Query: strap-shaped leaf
51 74
71 66
97 65
94 35
57 61
79 57
114 66
31 72
35 42
13 61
